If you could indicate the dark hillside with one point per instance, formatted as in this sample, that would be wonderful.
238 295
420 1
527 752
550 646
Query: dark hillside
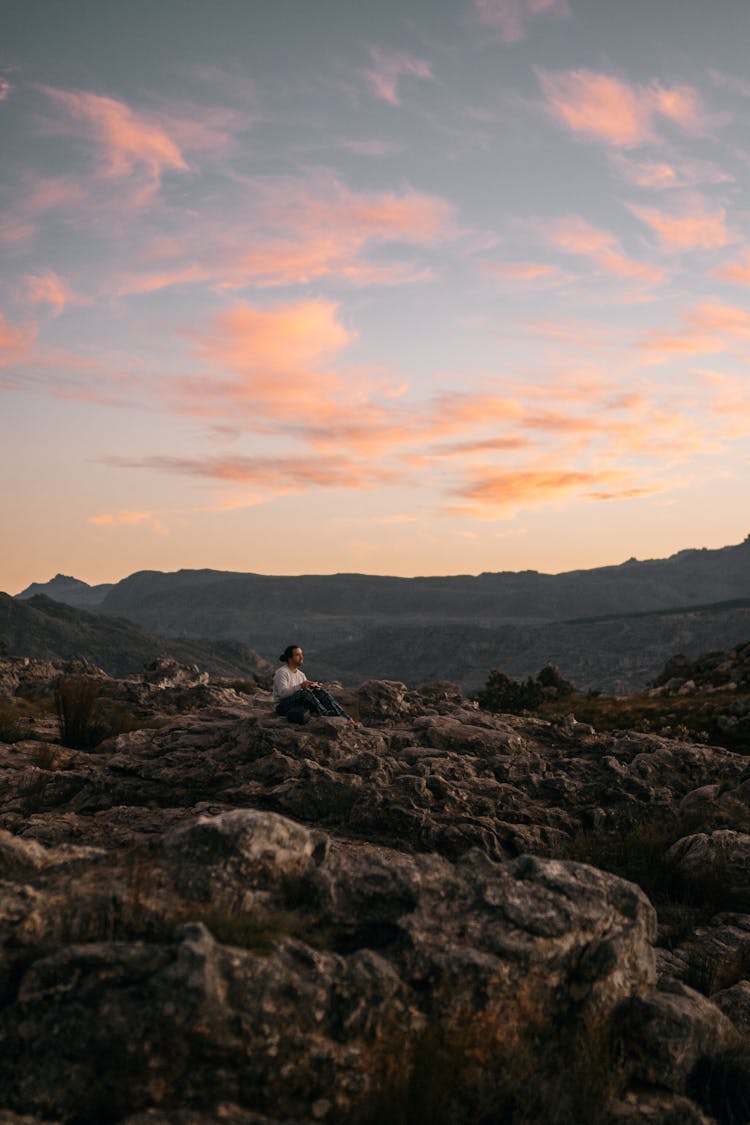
43 629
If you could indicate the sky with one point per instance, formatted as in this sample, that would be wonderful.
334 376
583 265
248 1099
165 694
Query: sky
418 288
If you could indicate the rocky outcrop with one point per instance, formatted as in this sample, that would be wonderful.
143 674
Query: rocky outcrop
224 916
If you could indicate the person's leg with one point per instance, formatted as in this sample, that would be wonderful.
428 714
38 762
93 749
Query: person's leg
330 705
298 701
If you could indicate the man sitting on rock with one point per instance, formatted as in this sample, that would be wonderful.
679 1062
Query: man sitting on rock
295 695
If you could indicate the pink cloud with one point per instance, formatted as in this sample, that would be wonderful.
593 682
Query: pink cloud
524 271
5 89
576 236
46 193
129 519
275 475
711 326
273 364
511 17
15 232
15 342
663 175
389 67
738 271
127 143
49 289
697 226
490 492
605 108
302 233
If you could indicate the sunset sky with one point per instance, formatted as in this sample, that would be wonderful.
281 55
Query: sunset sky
419 288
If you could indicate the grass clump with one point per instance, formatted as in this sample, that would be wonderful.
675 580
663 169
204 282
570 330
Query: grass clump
85 719
638 852
478 1072
721 1084
12 727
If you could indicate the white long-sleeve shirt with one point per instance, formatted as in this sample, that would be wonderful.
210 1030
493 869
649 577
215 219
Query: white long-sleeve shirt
286 682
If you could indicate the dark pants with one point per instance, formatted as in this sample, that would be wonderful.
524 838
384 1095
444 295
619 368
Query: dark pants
319 702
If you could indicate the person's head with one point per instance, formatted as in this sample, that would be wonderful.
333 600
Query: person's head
292 655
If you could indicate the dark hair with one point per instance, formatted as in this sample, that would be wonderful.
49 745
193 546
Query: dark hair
287 653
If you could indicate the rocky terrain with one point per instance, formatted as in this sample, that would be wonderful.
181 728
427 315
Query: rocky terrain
435 914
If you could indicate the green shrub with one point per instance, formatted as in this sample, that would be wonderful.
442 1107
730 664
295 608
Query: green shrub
721 1084
480 1072
11 723
76 703
86 719
508 696
45 756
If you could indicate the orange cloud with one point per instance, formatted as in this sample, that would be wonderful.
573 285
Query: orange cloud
389 67
49 289
524 271
709 327
15 232
698 226
275 475
276 363
116 519
127 143
576 236
662 175
47 193
15 341
303 233
489 493
604 108
738 271
511 17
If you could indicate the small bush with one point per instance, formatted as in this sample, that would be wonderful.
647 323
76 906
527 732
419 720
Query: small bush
244 687
76 703
474 1073
508 696
45 756
721 1085
85 719
11 723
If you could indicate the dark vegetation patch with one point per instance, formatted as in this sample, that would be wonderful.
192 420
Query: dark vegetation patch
475 1070
717 716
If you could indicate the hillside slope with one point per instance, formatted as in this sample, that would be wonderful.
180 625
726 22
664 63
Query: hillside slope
44 629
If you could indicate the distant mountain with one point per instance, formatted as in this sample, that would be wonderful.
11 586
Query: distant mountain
69 591
359 625
44 629
616 654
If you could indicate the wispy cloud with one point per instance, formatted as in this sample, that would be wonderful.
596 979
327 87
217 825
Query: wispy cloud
576 236
15 341
511 18
274 475
602 107
710 326
47 289
490 493
527 272
737 271
697 225
662 175
5 89
151 519
127 144
387 69
302 232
